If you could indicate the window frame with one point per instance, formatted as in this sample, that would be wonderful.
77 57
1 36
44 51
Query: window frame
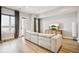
10 27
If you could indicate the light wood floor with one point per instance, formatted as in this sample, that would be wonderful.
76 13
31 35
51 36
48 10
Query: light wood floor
21 46
69 46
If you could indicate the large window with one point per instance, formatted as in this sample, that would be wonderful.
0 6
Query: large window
5 20
12 24
5 30
7 24
12 21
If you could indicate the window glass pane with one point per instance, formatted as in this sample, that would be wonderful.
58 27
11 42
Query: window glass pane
5 20
7 26
5 30
12 21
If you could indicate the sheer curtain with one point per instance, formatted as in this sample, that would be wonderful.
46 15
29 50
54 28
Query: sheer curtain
7 26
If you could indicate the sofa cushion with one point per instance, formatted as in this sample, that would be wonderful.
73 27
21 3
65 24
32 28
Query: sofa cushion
46 35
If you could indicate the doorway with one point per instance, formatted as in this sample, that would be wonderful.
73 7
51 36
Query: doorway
23 27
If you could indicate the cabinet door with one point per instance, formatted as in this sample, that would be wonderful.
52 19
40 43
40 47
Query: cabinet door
43 43
34 38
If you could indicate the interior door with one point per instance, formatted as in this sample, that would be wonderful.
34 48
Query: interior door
23 27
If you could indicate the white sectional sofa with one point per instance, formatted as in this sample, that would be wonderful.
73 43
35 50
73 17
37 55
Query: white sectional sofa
51 42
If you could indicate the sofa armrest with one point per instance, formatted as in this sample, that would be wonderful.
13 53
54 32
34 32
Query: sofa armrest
56 42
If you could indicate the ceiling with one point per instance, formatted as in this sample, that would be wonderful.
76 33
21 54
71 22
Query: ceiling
33 9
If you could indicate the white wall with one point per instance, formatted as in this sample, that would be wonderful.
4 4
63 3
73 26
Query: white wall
28 20
32 22
78 23
65 20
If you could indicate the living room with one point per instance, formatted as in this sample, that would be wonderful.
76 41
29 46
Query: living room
34 23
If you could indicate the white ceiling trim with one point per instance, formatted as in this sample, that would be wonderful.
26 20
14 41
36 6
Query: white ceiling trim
59 11
33 9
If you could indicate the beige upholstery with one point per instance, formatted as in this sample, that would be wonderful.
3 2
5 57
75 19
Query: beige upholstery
49 41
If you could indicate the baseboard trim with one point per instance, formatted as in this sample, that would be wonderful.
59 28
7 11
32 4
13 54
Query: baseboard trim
6 40
67 37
